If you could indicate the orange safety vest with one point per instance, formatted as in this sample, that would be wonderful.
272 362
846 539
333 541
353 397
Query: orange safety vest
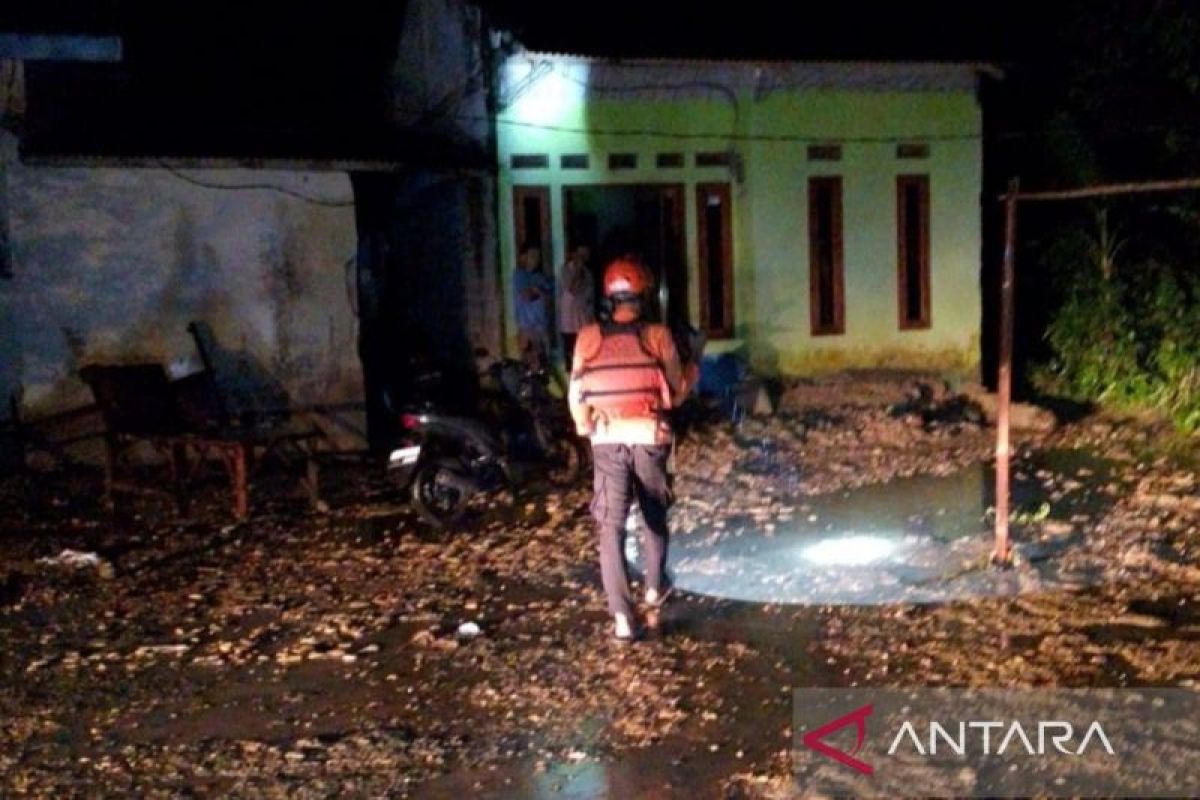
621 378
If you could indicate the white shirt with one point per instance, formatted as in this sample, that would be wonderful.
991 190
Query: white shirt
575 308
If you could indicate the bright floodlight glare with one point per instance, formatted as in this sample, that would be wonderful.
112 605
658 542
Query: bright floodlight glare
849 551
545 94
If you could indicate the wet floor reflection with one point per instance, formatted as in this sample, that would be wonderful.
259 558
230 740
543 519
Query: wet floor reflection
922 539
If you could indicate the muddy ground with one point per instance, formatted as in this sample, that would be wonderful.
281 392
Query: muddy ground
314 655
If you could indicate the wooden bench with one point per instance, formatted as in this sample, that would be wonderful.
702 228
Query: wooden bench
180 421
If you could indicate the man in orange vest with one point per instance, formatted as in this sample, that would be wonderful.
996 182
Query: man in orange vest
625 376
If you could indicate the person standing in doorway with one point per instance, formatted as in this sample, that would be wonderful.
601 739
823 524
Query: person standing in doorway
532 290
625 377
576 300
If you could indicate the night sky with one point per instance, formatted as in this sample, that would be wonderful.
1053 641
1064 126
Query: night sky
845 30
311 79
850 29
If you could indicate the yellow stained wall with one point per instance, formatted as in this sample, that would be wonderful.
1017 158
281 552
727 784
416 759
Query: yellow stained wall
770 195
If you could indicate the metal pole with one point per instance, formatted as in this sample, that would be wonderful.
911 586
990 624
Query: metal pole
1105 190
1002 554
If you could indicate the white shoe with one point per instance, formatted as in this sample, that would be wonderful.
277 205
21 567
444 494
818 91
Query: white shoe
623 628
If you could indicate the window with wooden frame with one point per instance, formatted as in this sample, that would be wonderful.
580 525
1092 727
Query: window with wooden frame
531 221
622 160
912 150
529 161
826 282
824 152
715 232
912 261
718 158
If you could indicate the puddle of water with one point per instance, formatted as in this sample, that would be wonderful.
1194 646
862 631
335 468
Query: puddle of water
906 540
756 704
585 780
922 539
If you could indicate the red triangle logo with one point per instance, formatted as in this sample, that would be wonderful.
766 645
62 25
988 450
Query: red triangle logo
857 717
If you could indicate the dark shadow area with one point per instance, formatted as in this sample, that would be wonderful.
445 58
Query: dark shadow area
413 233
1065 409
278 81
643 220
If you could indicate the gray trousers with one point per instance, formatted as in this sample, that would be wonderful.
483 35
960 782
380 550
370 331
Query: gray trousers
624 473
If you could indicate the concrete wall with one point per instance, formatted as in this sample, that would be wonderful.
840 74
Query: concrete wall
558 106
110 265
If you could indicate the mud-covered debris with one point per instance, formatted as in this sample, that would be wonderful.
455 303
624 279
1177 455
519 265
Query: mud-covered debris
325 654
75 560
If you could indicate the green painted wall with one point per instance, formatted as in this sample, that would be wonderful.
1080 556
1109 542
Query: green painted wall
771 135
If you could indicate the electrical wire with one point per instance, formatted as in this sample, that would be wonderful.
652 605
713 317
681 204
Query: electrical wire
720 88
536 73
257 187
742 137
542 67
726 92
449 104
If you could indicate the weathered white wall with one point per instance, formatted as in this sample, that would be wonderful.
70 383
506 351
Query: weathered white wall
110 265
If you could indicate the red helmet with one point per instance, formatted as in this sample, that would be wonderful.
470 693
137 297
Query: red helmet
625 276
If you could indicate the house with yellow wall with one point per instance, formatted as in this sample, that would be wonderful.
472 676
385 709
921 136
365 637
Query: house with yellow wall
819 215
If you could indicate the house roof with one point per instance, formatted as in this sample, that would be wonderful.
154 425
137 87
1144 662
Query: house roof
98 147
657 79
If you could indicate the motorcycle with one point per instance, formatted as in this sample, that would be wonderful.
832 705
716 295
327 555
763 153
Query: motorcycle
536 427
441 461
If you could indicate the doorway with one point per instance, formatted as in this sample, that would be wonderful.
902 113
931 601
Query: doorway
645 220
